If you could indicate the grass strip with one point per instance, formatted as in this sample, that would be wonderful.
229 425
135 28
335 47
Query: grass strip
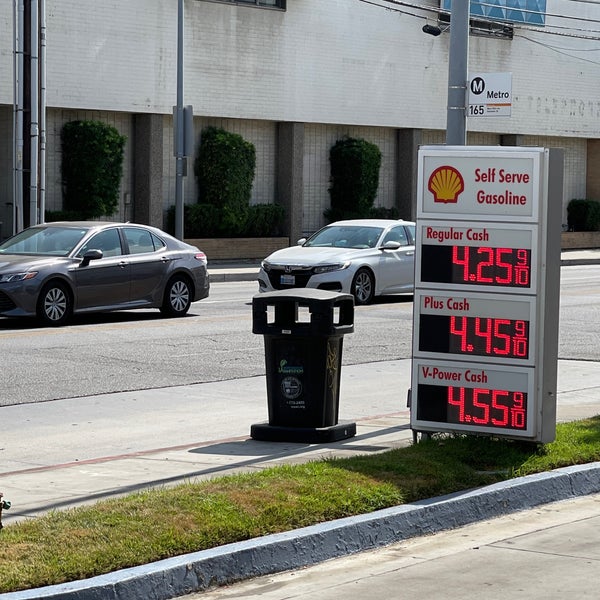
82 542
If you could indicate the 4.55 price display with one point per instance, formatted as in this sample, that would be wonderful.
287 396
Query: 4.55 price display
483 265
473 406
478 336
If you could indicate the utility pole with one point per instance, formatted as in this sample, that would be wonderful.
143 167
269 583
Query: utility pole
458 58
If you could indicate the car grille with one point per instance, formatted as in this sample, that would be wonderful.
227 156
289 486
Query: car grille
6 303
301 275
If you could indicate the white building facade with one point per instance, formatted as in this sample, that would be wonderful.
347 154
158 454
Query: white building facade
292 77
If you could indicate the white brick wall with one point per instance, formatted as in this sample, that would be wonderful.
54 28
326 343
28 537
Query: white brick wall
320 61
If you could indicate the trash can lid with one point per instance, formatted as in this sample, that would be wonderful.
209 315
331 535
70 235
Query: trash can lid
305 293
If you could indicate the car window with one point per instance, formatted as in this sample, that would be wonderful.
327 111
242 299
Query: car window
141 241
57 241
396 234
108 241
411 234
340 236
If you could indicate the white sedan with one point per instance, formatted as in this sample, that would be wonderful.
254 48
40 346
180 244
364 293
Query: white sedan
362 257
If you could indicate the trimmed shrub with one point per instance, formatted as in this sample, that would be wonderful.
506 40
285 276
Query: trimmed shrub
264 220
224 168
355 165
92 167
380 212
583 215
205 221
63 215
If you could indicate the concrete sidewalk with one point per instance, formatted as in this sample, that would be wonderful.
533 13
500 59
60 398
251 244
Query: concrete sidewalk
102 446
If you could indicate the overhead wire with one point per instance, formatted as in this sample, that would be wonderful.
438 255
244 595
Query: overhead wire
518 29
550 29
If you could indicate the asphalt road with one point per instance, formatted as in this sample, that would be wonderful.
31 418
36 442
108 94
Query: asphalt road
141 350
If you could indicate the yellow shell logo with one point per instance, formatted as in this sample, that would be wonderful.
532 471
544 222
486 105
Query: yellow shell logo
446 183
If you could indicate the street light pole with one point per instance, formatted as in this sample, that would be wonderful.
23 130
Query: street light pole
179 132
456 120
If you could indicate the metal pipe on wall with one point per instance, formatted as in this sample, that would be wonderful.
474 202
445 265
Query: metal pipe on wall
34 117
19 94
179 141
42 162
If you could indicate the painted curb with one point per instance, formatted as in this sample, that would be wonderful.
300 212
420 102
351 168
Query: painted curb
200 571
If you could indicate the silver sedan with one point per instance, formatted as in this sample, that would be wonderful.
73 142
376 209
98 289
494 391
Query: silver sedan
53 270
363 257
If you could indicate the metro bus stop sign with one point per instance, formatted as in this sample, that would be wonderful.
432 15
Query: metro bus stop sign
487 276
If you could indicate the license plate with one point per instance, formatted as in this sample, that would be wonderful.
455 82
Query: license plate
287 280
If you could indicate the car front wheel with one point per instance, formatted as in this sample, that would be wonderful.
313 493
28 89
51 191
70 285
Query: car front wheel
178 297
54 304
363 286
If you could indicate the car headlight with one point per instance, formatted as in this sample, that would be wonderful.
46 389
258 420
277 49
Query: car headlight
328 268
265 265
11 277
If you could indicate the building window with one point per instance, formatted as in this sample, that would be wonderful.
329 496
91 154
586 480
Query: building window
531 12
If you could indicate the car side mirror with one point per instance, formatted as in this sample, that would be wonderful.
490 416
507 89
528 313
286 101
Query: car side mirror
391 245
301 241
89 256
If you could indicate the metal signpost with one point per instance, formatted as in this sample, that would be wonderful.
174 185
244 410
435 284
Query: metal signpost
487 274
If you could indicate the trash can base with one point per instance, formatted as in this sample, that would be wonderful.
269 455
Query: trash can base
304 435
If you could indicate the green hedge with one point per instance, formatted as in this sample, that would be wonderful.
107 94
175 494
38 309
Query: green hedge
355 165
205 221
583 215
92 167
224 168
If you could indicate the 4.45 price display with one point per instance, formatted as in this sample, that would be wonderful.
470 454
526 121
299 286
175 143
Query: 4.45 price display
477 336
483 265
473 406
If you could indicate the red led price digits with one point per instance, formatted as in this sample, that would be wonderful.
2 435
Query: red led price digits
492 266
488 408
489 337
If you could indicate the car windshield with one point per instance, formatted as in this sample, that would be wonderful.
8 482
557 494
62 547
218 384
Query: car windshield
346 236
51 241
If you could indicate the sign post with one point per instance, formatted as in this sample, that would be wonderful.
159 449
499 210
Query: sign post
487 275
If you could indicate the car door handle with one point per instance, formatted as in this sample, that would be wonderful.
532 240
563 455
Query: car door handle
165 259
123 264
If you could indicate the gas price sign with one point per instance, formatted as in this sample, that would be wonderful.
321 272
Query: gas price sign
486 286
490 400
485 257
483 327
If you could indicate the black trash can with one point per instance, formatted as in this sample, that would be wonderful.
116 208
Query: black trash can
303 333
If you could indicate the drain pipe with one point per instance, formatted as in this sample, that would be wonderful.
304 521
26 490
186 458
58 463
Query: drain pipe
42 170
34 93
19 95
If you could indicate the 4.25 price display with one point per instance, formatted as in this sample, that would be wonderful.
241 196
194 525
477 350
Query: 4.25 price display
483 265
473 406
478 336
